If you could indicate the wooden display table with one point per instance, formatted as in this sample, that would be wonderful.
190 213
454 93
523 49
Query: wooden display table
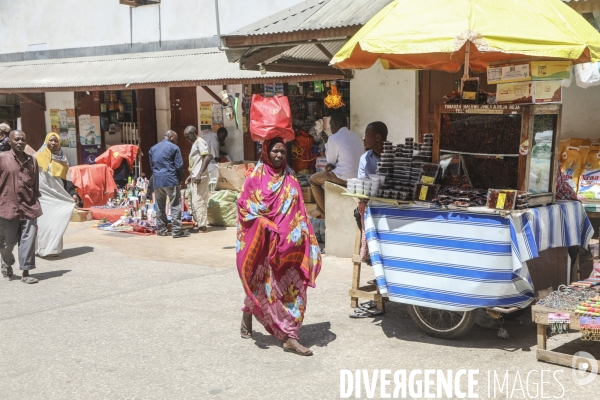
368 292
539 315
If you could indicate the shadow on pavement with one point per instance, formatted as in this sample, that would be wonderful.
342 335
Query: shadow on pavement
396 323
311 335
68 253
49 275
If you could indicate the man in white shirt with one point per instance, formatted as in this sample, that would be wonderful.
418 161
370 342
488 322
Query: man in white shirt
214 141
198 180
344 149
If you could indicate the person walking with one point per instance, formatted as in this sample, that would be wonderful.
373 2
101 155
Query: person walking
58 196
19 207
198 179
167 172
278 255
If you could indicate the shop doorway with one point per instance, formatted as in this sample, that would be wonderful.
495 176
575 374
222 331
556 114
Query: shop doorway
116 117
146 117
184 112
33 120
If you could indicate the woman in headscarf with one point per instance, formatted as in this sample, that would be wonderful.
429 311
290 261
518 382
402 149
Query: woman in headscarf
278 255
57 204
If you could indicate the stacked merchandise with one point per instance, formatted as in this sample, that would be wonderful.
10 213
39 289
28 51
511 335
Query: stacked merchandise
129 210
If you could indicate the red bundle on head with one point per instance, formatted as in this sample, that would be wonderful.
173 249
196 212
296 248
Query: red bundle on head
270 117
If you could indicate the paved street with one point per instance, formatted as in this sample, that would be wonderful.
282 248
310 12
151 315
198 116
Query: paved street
121 316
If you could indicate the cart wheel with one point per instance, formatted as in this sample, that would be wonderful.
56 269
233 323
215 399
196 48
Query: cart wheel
442 324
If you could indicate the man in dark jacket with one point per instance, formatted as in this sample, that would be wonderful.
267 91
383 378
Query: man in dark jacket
167 171
19 206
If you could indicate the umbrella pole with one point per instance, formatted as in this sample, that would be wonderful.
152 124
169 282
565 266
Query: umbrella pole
467 54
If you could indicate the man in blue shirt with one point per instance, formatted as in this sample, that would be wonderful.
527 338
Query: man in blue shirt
375 134
167 171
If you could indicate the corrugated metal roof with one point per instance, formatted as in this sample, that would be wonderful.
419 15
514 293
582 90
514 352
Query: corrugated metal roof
203 66
315 14
310 53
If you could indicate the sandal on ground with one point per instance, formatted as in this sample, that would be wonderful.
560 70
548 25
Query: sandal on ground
29 280
202 229
7 271
360 313
291 350
245 333
369 305
181 235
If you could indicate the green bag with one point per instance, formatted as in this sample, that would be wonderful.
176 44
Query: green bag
222 208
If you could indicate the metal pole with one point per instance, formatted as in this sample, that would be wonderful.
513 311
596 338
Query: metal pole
467 54
218 22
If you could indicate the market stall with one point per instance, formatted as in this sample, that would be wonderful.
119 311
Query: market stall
469 223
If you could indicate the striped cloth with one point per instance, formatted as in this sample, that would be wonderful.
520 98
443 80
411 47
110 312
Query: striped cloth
461 261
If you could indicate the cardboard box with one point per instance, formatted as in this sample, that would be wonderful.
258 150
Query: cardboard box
80 215
507 73
550 70
547 92
232 175
514 93
307 195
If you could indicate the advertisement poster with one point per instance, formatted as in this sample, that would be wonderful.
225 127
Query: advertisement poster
71 128
54 121
89 152
64 128
206 111
89 138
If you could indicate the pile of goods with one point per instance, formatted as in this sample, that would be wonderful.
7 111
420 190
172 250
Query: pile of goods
580 164
460 197
403 166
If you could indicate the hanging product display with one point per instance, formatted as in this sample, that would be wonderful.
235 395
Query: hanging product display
333 99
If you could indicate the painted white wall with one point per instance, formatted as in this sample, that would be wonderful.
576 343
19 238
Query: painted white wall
383 95
64 24
234 144
580 117
61 101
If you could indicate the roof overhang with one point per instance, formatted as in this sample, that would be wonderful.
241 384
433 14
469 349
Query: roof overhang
198 67
306 52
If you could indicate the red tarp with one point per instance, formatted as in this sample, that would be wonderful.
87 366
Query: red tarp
115 154
95 183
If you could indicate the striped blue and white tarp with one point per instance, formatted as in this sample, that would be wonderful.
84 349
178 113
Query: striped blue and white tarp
458 260
560 225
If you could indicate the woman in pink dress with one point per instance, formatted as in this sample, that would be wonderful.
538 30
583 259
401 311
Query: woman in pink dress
278 255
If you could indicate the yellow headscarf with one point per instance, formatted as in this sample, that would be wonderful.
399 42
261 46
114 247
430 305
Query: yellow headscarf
45 158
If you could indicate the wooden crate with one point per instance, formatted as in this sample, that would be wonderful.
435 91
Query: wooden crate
307 195
539 315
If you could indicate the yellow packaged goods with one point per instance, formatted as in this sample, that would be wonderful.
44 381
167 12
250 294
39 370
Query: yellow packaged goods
548 92
572 163
564 143
519 92
589 181
550 70
508 73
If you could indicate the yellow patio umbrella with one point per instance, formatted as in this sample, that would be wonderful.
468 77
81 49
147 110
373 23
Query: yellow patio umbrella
443 35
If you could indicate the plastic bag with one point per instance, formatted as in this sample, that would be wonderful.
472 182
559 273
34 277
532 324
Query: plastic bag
589 181
270 117
572 164
587 74
222 208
